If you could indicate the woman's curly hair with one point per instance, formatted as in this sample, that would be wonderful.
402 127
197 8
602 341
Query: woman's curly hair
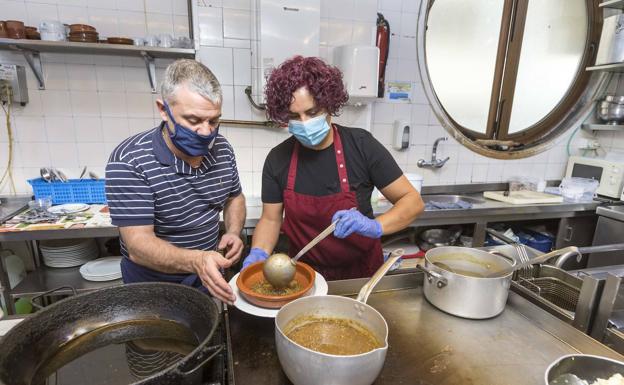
324 82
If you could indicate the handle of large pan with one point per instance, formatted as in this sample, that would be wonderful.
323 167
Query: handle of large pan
212 351
368 287
39 307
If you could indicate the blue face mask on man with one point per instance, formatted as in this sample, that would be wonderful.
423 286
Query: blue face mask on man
311 132
187 140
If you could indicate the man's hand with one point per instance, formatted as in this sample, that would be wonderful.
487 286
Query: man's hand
234 245
207 266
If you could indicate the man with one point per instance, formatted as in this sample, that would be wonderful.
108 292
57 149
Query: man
167 186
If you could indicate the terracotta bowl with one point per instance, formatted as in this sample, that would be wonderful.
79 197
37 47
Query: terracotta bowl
81 28
253 274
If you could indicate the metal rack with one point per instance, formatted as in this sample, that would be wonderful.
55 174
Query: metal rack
616 4
590 127
31 50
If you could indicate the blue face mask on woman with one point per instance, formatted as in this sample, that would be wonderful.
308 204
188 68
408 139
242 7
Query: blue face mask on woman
188 141
311 132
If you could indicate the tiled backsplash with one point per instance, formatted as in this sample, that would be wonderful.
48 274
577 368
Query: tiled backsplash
91 103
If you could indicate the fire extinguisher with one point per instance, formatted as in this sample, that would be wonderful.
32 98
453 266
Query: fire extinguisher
383 42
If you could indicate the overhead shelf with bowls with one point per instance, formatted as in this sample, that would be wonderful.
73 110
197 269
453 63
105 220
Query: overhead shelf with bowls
31 50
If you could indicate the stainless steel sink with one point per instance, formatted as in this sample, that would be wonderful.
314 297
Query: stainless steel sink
452 198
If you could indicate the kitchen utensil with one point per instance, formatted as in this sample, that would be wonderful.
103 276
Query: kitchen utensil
520 250
166 40
102 269
279 269
3 30
610 112
448 287
68 208
253 274
93 175
320 288
431 238
60 175
45 174
15 29
120 40
584 367
68 252
82 173
77 325
307 367
570 249
138 41
40 204
151 41
523 197
32 33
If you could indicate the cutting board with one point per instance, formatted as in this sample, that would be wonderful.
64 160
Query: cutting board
523 197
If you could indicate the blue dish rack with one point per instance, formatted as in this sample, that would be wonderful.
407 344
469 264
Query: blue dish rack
72 191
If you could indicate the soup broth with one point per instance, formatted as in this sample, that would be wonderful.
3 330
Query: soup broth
332 336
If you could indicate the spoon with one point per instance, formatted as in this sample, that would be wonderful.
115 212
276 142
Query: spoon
45 174
279 269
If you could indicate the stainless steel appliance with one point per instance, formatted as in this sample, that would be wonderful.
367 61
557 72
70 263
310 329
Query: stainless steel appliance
610 173
609 229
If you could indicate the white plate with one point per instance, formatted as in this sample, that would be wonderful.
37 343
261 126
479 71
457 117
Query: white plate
68 208
320 288
102 268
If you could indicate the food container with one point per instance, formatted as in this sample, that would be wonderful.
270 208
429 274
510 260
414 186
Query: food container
3 30
81 28
15 29
584 366
578 190
460 294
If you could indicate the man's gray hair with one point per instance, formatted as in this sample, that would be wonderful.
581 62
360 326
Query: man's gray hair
196 76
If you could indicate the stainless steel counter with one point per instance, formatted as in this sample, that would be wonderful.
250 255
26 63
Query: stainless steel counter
9 206
429 347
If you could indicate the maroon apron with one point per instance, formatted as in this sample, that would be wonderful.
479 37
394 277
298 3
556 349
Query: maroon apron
305 216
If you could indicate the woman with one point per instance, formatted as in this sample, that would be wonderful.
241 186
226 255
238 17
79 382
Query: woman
321 172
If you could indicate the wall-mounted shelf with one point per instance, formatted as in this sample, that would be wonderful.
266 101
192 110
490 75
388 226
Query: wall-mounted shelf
31 50
601 127
617 4
614 67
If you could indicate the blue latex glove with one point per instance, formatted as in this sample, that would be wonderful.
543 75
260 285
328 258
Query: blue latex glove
352 221
255 255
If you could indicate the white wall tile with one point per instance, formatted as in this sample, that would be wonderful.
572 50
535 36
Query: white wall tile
236 24
109 78
13 10
34 154
56 103
115 130
63 155
92 154
131 23
210 24
180 26
85 103
220 62
180 7
131 5
242 67
391 5
237 43
39 12
60 129
113 104
244 160
135 79
239 137
159 6
411 6
139 125
227 107
242 107
139 105
88 129
82 77
342 9
259 154
158 23
263 138
30 129
365 10
105 20
71 14
238 4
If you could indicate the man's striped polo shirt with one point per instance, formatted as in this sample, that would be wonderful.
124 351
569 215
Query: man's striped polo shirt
146 184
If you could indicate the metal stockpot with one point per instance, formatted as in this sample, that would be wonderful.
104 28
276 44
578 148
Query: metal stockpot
462 295
308 367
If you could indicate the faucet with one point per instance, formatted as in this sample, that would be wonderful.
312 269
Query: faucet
434 163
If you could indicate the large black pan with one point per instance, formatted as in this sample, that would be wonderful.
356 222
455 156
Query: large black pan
114 315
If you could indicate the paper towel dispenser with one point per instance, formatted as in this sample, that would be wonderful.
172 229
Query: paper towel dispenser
360 68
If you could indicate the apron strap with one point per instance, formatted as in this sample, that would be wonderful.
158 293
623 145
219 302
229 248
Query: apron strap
340 163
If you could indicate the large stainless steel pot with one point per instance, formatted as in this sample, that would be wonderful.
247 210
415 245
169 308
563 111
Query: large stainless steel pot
75 326
308 367
462 295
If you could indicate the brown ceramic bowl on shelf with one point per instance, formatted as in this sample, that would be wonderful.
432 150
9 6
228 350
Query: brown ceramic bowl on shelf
3 30
32 33
84 37
15 29
120 40
81 28
253 274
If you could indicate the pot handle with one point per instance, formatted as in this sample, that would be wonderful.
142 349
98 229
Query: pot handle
212 352
39 307
507 257
368 287
440 281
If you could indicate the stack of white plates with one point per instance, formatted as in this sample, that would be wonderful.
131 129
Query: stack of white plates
102 269
68 252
